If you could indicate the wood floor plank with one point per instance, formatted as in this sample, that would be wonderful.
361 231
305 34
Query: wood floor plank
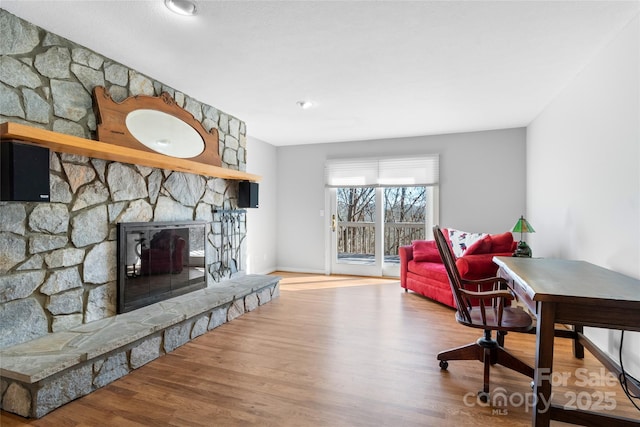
331 351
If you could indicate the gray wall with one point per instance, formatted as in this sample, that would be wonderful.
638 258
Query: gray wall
583 180
261 222
482 182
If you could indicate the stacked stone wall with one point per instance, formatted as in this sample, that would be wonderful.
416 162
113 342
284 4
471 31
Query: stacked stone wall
58 259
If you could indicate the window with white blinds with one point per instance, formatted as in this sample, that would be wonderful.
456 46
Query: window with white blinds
383 172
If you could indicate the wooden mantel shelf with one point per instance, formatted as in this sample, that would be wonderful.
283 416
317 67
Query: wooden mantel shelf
86 147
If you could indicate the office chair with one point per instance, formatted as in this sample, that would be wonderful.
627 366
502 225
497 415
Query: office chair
489 312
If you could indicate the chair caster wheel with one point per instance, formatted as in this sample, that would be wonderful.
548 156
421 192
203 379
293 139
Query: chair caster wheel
483 396
444 365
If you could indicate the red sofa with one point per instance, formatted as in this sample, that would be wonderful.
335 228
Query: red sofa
422 270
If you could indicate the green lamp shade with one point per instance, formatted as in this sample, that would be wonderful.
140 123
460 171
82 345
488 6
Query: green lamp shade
523 226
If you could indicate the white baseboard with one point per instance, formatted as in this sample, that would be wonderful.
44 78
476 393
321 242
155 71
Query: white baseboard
301 270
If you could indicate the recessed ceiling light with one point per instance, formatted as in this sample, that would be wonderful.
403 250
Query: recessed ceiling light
304 104
181 7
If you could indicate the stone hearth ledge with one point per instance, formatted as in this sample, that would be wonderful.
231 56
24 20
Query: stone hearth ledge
36 368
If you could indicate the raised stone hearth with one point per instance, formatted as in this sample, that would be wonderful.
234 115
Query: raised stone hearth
44 374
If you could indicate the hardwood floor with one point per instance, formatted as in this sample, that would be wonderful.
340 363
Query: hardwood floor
331 351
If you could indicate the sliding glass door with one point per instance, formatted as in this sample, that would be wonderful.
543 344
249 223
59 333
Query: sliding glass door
377 205
369 224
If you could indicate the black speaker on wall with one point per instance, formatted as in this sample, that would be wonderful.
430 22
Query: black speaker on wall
247 194
24 172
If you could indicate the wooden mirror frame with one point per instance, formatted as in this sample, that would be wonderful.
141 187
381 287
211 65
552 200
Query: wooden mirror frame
111 122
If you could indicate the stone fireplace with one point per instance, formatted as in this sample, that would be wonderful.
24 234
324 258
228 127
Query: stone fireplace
60 267
62 333
58 263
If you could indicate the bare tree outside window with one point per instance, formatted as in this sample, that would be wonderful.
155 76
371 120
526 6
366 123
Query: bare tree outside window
356 211
404 220
404 217
356 204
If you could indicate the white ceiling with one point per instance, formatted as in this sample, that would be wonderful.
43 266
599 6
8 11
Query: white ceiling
373 69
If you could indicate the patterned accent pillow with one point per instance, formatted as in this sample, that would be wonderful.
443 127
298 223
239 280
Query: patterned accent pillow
461 240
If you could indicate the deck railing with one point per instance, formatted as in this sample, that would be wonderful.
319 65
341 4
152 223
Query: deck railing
359 237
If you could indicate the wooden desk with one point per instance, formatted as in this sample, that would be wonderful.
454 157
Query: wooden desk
575 293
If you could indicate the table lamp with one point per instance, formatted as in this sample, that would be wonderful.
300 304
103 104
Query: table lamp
523 226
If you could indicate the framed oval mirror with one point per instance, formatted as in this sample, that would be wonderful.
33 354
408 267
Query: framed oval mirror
154 124
164 133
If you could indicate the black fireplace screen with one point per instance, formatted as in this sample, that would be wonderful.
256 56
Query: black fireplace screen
159 260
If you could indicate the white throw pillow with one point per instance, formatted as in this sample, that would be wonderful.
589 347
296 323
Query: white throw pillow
461 240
